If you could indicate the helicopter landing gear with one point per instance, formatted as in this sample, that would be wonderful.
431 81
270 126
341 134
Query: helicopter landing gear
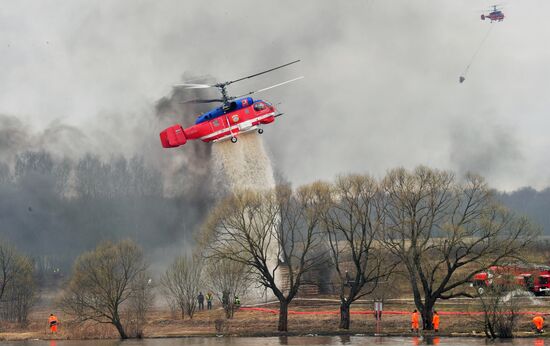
260 131
233 139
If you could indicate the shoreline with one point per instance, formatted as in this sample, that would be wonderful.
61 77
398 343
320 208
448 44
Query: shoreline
162 323
521 335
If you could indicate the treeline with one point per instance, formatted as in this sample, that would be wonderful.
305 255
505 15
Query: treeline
534 204
423 227
54 209
426 227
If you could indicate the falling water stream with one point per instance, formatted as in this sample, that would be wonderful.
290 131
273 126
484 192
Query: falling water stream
243 165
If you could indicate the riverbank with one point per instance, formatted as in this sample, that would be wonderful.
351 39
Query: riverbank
324 321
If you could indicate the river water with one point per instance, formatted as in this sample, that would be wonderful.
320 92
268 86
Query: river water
292 340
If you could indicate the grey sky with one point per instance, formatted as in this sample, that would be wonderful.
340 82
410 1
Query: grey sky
381 87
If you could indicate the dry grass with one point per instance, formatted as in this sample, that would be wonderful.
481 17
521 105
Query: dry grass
162 323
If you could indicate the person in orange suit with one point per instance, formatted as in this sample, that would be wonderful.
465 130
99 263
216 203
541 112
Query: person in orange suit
52 321
414 321
435 321
538 321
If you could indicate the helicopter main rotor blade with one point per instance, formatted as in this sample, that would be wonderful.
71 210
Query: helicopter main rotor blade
270 87
202 101
193 86
198 78
260 73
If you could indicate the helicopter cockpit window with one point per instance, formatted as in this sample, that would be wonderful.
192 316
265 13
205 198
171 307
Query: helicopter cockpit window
259 106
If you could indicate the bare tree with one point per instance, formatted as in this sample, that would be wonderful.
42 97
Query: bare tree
182 281
354 222
17 287
500 305
140 303
9 268
266 231
228 279
103 283
444 232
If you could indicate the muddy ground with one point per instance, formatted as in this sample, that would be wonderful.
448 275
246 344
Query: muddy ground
163 323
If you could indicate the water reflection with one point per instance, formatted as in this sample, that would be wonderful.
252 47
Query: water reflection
283 340
432 340
345 339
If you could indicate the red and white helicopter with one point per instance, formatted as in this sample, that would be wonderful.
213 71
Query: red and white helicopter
496 15
237 115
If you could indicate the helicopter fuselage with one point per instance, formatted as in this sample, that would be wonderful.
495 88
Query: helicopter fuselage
222 123
495 16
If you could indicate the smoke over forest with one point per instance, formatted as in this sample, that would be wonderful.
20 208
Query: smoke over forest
101 67
62 194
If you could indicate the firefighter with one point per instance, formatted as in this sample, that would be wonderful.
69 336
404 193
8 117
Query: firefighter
414 321
200 298
209 300
52 322
435 321
538 321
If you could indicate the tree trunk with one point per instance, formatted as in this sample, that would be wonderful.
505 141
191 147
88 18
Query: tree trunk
229 311
283 316
427 315
120 329
489 331
345 316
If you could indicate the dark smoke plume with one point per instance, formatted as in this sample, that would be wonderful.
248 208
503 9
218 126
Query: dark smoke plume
64 189
188 167
485 150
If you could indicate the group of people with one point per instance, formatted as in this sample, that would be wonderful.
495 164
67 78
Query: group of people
200 299
209 296
538 322
415 321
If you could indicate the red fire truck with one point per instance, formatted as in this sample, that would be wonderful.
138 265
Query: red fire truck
533 278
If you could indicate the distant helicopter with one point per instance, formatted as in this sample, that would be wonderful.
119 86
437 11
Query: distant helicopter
236 115
496 15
